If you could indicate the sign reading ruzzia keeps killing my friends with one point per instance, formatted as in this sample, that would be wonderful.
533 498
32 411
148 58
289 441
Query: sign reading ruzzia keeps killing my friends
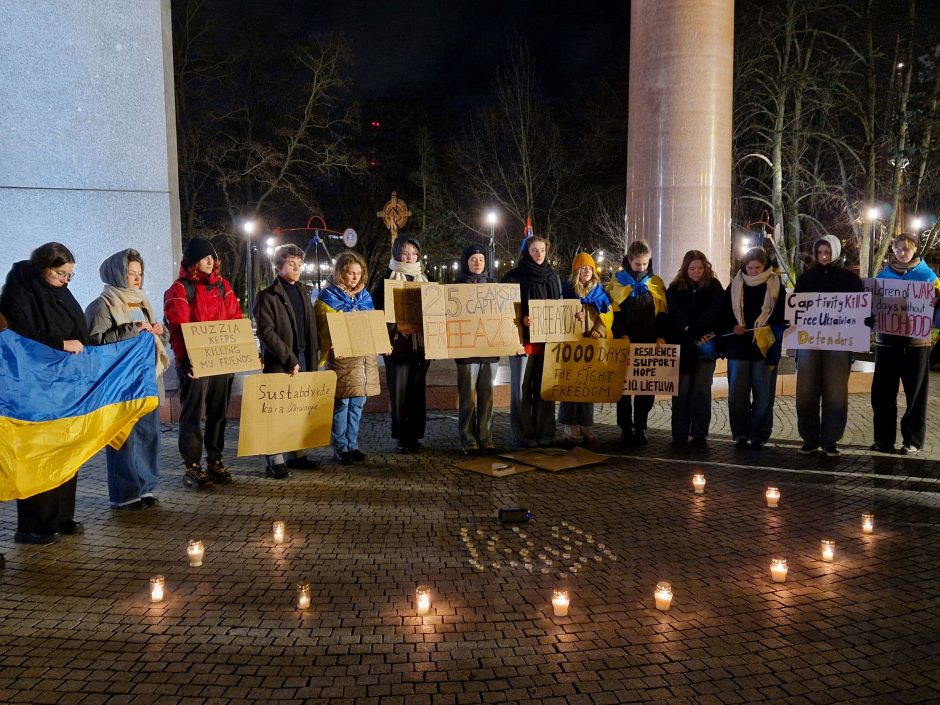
902 308
553 320
281 413
470 320
587 370
221 347
654 369
828 321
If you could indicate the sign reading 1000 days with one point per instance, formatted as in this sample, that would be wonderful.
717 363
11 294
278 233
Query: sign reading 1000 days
589 370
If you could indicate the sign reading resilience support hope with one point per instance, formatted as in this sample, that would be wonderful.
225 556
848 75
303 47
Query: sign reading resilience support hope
654 370
828 321
470 320
221 347
902 308
588 370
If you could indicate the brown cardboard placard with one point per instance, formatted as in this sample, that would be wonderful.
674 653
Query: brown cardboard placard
221 347
493 467
403 301
553 320
555 459
588 370
654 369
358 333
470 320
281 413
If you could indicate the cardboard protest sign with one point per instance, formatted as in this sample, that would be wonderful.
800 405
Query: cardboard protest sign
470 320
493 467
281 413
654 370
358 333
221 347
403 302
554 459
588 370
828 321
902 307
553 320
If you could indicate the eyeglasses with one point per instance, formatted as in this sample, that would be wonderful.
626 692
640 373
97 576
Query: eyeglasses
62 275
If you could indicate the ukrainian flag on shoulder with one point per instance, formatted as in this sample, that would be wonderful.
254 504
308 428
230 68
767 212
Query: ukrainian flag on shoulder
58 409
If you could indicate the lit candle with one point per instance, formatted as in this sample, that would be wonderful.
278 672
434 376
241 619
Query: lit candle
773 496
560 602
828 549
157 584
303 595
698 482
278 529
868 523
195 551
778 569
663 596
423 594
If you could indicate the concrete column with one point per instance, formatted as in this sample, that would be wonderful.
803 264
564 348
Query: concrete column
88 138
679 140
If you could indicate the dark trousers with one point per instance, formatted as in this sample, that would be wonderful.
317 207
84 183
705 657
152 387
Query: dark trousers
406 389
692 406
209 397
45 512
632 416
909 365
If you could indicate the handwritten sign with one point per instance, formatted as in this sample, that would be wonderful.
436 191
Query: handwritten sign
553 320
470 320
358 333
221 347
403 302
902 307
588 370
281 413
828 321
654 370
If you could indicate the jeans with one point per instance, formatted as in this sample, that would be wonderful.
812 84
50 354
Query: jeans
347 414
633 412
692 407
908 364
822 383
281 458
133 471
751 393
576 413
408 396
209 395
475 403
531 418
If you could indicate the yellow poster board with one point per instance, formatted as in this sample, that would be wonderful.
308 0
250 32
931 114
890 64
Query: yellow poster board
281 413
553 320
221 347
358 333
403 302
654 370
470 320
589 370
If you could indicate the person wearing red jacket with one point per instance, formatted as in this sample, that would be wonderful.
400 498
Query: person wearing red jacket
200 294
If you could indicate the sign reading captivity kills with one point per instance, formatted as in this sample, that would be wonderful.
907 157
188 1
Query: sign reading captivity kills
902 308
470 320
588 370
654 370
221 347
828 321
553 320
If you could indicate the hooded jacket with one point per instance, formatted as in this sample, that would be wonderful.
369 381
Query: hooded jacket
214 301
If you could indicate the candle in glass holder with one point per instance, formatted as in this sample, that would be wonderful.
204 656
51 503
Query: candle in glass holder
663 595
423 595
773 496
278 529
560 602
778 569
303 595
828 550
698 482
195 551
157 585
868 523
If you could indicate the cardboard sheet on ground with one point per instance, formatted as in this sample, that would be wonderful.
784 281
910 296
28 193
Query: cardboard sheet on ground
221 347
282 413
654 369
494 467
470 320
403 301
358 333
828 321
555 459
553 321
901 308
586 371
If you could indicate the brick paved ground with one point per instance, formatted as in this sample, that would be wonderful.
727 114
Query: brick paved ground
76 625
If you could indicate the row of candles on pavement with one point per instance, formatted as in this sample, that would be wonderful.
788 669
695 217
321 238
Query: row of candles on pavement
561 599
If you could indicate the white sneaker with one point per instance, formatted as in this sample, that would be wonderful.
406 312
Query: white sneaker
573 434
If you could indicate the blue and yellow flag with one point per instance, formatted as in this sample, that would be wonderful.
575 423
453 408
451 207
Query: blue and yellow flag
58 409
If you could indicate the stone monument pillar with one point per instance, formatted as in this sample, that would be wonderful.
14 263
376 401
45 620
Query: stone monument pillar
88 144
679 132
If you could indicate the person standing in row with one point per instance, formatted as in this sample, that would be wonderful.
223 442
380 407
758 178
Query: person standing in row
475 375
585 285
38 305
638 299
200 294
694 299
287 331
123 311
902 359
531 418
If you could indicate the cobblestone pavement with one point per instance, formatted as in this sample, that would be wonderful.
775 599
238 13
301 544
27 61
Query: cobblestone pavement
76 624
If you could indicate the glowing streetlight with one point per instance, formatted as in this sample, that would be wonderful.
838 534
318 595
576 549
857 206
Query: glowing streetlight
250 226
874 213
492 218
917 223
271 242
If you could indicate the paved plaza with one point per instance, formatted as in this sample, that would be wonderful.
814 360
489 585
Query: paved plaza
77 626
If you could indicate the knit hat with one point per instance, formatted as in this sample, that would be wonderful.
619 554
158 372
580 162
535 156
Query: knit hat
197 249
583 259
467 254
833 243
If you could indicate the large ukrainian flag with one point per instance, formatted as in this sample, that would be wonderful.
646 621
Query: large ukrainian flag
58 409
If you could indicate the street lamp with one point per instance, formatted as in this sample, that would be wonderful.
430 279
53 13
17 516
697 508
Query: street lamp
917 223
248 227
874 216
492 217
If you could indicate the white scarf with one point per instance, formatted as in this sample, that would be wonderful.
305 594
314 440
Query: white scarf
770 295
120 301
403 270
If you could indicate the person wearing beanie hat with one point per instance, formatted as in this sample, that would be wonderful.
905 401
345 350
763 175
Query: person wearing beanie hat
902 359
200 294
822 376
577 418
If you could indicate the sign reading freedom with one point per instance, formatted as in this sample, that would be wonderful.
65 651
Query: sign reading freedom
589 370
470 320
221 347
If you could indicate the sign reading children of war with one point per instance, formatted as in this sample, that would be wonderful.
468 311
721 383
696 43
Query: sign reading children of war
221 347
902 308
358 333
553 320
470 320
403 302
654 370
589 370
281 413
828 321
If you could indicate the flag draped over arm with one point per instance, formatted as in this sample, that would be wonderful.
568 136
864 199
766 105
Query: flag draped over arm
58 409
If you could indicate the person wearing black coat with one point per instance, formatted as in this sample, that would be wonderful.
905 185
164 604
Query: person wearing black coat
37 304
